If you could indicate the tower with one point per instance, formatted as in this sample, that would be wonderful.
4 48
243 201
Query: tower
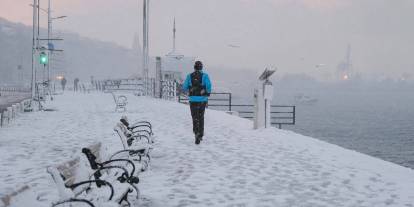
344 68
174 31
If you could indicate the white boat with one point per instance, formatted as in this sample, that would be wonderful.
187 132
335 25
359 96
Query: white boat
303 99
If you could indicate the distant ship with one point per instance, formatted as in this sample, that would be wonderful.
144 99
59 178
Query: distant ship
303 99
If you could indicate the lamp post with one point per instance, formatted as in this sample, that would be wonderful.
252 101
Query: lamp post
34 49
145 51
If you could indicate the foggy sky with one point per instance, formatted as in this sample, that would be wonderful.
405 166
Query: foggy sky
294 35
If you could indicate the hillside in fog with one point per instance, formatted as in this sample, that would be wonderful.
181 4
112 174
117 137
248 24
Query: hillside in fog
82 57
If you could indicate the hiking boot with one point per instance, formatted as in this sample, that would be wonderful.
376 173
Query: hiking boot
198 138
197 141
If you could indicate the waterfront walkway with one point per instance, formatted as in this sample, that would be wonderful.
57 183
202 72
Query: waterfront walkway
234 165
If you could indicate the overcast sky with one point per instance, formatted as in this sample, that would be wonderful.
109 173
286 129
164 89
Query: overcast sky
294 35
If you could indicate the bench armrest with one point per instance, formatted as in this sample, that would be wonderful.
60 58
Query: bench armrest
98 182
134 136
121 160
105 165
140 152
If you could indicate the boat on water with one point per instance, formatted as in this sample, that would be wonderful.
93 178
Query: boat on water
304 99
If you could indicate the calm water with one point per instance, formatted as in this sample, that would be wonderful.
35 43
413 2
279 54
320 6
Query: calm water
376 123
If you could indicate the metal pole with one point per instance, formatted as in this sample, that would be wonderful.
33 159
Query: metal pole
145 43
49 29
294 115
38 24
229 101
144 38
34 49
147 38
265 113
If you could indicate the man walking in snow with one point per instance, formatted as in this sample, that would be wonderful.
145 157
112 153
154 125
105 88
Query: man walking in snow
63 83
75 84
198 86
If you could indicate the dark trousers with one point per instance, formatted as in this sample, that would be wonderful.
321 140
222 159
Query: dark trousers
197 113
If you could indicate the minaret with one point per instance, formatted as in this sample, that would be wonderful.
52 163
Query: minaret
173 53
174 31
345 67
348 58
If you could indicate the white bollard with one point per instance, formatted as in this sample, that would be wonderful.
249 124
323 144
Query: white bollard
19 108
9 114
22 106
5 118
14 111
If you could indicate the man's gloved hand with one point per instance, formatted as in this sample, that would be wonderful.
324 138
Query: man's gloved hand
204 92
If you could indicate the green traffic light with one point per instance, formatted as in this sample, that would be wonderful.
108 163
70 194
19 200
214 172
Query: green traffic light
43 58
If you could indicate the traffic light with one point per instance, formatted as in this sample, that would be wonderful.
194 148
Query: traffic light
43 58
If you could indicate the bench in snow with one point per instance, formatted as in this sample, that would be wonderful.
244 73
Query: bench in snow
140 129
120 102
135 148
76 183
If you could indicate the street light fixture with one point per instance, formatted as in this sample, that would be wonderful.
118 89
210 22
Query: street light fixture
60 17
45 10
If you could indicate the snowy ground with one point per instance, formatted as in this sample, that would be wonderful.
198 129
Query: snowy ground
234 165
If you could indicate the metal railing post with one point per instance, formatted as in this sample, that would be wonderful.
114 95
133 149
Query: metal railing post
229 101
294 115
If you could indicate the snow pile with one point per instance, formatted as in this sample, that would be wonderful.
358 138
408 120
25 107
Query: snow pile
234 165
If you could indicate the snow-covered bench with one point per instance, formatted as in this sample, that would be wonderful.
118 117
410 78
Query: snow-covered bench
135 148
74 181
120 102
125 173
139 128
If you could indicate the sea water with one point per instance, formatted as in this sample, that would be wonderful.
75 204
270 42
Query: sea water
376 122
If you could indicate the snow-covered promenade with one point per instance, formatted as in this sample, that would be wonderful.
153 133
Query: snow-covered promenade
234 165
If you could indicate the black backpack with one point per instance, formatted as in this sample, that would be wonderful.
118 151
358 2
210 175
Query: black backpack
197 89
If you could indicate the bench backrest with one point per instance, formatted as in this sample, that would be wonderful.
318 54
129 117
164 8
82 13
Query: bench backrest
72 171
121 131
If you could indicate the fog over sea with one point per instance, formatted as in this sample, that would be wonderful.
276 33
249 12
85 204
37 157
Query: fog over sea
372 118
377 123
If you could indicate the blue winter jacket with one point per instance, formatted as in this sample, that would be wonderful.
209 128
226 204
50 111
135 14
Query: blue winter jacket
205 81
